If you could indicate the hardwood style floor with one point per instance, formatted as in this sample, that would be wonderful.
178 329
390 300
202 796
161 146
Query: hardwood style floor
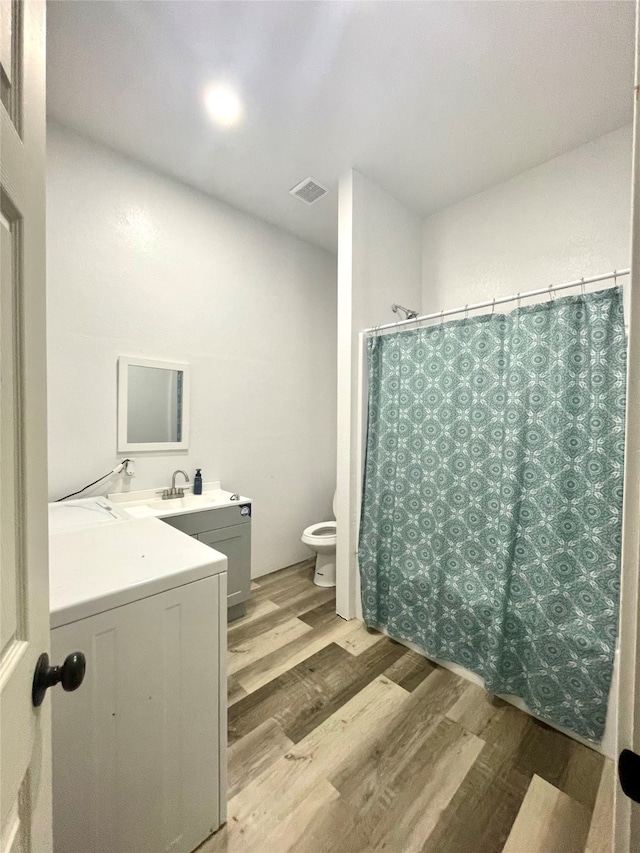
342 740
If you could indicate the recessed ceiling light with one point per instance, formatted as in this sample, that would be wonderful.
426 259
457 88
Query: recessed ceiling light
223 105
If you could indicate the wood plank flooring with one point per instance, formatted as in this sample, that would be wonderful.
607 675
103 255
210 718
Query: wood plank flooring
342 740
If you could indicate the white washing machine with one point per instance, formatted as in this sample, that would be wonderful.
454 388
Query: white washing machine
139 749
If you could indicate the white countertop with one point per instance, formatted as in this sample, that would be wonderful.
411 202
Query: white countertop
149 504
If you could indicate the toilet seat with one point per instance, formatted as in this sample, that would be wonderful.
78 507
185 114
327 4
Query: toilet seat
323 531
323 528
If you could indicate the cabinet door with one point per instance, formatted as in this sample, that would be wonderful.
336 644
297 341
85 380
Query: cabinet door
235 543
137 761
209 519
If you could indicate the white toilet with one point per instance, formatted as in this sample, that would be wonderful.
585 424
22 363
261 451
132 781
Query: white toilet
321 538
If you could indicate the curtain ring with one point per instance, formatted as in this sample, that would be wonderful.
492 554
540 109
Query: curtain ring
615 278
582 286
493 306
466 311
518 300
552 295
441 316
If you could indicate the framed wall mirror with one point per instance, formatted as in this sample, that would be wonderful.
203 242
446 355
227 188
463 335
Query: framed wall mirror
153 405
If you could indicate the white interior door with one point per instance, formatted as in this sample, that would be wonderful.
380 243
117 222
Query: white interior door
25 733
627 813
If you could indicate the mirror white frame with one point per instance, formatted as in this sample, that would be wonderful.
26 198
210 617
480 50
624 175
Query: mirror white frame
124 445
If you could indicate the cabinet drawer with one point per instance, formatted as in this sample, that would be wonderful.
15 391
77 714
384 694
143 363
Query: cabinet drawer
209 519
235 543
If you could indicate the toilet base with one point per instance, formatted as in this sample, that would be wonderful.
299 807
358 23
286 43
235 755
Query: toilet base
325 570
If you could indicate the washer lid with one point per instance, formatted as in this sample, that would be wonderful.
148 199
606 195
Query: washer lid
97 568
84 512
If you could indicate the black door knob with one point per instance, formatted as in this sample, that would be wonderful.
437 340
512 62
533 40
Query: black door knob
629 774
70 675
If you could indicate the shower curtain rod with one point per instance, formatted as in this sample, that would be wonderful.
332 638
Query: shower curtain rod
492 302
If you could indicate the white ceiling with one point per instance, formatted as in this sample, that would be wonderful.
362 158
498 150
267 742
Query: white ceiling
434 101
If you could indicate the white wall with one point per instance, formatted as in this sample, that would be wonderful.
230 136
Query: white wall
140 265
379 258
566 219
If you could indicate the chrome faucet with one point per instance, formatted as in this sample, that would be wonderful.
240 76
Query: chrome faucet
173 492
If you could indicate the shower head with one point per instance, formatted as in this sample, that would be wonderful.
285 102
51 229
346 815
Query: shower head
409 313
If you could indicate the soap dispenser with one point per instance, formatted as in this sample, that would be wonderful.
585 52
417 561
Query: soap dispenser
197 482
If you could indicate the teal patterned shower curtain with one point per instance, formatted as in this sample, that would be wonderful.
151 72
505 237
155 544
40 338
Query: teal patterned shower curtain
491 518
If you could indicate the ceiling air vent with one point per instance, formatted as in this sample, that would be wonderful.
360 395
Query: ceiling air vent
308 191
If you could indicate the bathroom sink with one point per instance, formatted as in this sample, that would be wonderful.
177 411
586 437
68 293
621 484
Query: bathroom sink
150 504
187 502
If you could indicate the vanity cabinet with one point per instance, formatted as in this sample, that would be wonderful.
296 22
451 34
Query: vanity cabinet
228 530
